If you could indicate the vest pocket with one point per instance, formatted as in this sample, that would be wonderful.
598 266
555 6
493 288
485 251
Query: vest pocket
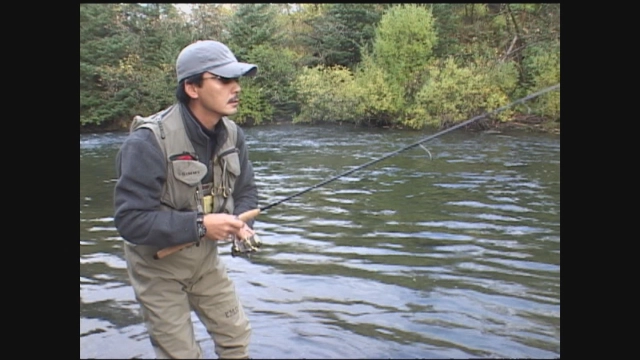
226 172
187 174
190 172
230 161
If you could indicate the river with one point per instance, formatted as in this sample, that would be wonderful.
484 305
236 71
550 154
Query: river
450 253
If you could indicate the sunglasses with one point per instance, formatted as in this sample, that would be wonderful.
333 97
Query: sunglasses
223 80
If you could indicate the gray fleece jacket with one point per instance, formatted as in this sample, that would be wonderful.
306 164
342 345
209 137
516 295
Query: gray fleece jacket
141 172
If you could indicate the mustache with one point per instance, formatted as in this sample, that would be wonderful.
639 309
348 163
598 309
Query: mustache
234 99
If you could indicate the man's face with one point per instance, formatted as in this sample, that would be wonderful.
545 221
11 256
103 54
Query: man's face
218 95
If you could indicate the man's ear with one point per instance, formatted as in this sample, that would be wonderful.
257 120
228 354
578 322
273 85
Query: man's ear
191 90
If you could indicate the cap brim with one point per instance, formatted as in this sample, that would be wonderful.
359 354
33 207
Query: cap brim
235 70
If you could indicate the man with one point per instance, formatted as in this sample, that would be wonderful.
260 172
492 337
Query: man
183 176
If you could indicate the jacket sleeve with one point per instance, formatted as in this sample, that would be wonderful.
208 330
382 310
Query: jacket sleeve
141 173
245 193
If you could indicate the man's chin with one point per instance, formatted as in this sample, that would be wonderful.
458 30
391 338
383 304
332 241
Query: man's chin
231 111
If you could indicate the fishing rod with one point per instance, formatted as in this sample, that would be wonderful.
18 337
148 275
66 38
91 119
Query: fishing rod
248 215
411 146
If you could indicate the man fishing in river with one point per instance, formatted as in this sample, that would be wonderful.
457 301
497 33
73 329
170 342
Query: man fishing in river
183 176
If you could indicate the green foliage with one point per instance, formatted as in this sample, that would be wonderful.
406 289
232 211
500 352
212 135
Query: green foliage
326 94
354 29
127 56
208 22
142 89
102 45
503 74
297 28
340 32
447 24
454 94
404 41
542 64
479 10
254 108
499 22
276 73
379 101
252 25
330 94
381 64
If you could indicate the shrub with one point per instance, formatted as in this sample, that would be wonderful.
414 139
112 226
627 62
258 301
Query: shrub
326 94
542 65
254 107
453 94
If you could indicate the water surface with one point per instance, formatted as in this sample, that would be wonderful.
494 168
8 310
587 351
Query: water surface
456 256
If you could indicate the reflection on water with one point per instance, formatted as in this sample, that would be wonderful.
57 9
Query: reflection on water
451 257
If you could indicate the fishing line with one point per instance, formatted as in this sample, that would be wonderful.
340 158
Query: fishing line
417 143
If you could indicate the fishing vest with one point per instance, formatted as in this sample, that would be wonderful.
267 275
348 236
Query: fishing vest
183 189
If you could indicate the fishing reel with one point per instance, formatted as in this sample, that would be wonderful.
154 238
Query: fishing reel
244 247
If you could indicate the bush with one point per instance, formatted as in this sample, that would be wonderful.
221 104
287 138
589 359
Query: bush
327 94
503 75
254 107
542 66
404 41
379 101
453 94
276 74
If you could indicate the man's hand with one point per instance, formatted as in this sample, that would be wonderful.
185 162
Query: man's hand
220 226
245 232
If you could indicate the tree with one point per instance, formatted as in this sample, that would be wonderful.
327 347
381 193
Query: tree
404 41
208 21
339 35
127 56
104 40
252 25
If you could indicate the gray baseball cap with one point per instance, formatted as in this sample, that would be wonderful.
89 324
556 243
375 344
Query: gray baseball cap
211 56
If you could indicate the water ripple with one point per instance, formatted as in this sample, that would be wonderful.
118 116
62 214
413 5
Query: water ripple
457 256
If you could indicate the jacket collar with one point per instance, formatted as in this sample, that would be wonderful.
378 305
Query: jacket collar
196 131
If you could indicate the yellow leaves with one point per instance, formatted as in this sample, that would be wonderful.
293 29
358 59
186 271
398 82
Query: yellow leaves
496 100
376 95
167 68
255 108
404 40
454 94
337 94
326 94
480 10
545 69
129 64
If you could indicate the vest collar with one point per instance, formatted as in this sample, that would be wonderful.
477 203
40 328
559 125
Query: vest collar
195 130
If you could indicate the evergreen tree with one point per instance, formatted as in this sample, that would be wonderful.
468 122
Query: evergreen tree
252 25
339 35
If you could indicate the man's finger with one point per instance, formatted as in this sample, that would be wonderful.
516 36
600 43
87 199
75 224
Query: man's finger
237 223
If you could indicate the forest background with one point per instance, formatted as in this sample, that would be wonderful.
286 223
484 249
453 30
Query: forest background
410 66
